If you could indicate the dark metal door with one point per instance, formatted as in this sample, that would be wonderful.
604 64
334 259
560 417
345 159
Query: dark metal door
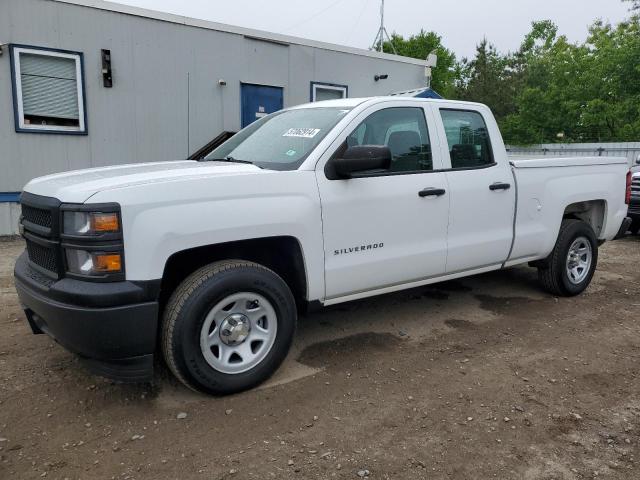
259 101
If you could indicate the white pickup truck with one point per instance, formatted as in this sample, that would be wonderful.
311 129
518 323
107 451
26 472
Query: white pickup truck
211 261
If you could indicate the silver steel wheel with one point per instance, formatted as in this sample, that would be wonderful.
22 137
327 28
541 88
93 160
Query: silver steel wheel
579 260
238 332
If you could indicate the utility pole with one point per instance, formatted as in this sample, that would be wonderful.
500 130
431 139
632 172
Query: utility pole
378 43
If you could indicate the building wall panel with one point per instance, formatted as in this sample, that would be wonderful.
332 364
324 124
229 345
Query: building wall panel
165 102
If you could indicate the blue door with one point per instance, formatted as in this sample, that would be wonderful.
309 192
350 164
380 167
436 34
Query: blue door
259 101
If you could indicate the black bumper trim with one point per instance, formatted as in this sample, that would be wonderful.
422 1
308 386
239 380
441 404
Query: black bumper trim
624 228
117 342
127 370
101 333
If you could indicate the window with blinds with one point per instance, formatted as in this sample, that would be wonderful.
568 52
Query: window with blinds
48 90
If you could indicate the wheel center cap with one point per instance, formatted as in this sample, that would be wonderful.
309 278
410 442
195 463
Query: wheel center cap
235 329
574 258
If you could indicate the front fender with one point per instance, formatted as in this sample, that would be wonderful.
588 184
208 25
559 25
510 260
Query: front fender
160 220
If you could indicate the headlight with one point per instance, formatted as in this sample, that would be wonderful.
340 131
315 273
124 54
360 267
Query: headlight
92 241
90 223
82 262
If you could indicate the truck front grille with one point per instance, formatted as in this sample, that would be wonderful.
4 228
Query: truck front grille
37 216
41 222
42 256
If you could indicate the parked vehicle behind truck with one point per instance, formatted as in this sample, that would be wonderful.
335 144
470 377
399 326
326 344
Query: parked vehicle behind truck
634 203
209 262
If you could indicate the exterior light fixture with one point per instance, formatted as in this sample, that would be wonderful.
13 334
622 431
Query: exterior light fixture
107 77
380 77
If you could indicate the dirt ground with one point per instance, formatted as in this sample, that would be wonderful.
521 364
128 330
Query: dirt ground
482 378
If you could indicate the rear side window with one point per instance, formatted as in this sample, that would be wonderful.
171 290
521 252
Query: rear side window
468 139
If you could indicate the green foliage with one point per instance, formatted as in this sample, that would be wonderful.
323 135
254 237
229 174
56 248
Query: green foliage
420 46
578 92
635 4
487 78
550 89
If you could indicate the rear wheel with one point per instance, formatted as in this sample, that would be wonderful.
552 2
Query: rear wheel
570 267
228 327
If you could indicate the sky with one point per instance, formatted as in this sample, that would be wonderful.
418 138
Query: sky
461 23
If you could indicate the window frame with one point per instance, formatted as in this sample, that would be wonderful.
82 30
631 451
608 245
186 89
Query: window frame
446 141
328 167
15 51
327 86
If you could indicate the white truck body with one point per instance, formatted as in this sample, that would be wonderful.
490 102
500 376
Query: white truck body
315 205
169 207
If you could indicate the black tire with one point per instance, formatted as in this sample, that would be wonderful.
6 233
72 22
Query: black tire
552 273
185 314
635 227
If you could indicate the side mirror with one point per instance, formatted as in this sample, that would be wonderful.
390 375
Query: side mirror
362 158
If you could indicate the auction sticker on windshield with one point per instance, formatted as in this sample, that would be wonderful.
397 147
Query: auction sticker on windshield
301 132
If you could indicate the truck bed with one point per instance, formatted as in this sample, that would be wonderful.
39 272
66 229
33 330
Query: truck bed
591 188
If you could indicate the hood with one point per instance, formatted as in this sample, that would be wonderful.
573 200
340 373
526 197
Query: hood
79 185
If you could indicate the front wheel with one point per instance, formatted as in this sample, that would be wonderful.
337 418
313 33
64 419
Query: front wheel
228 327
570 267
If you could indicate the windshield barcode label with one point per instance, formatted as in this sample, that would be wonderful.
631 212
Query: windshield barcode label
301 132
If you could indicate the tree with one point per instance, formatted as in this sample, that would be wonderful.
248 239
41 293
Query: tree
585 92
635 4
543 68
487 78
550 89
420 46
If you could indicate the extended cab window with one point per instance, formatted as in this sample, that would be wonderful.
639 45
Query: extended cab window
468 139
404 131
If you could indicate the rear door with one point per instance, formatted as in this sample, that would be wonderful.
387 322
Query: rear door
481 184
379 230
259 101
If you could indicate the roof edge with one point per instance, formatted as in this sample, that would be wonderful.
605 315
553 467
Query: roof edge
247 32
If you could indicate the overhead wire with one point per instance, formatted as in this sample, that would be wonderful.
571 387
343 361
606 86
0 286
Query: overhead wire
355 26
313 17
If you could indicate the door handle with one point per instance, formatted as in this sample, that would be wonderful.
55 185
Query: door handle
499 186
432 192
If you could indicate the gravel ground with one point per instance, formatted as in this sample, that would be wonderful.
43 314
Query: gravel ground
487 377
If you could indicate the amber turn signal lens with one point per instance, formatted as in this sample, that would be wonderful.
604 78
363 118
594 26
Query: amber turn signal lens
105 222
107 262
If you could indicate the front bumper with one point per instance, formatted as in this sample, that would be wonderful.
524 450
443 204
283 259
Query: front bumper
634 209
111 326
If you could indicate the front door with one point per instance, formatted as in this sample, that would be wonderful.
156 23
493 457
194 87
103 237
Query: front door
259 101
379 229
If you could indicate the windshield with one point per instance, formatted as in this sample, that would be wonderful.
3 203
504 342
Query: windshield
281 141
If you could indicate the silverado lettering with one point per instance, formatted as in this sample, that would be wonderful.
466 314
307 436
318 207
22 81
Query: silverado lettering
362 248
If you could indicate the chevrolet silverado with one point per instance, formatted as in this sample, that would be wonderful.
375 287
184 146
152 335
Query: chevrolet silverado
208 263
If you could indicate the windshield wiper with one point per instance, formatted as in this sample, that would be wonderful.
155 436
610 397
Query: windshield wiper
230 159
